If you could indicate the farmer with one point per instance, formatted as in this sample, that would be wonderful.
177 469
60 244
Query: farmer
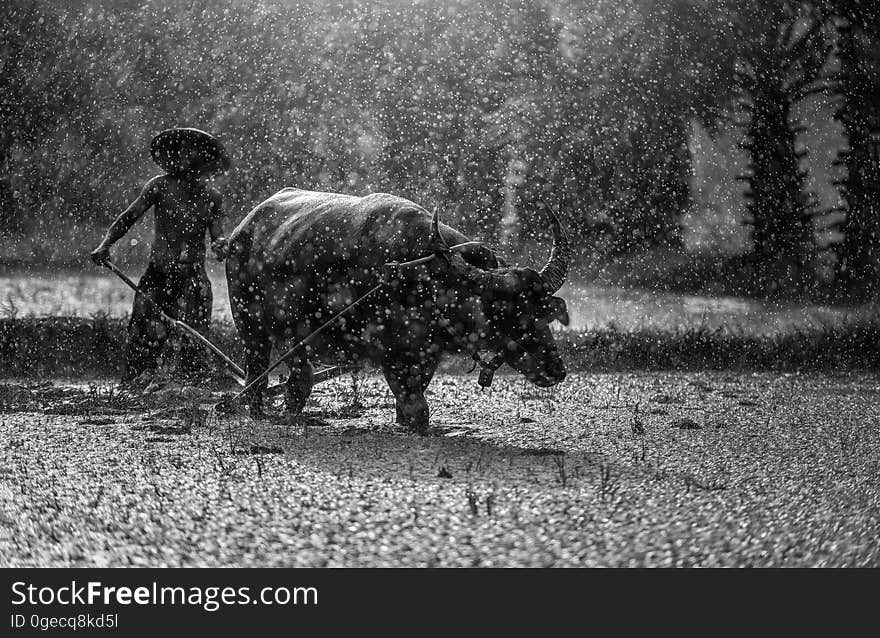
175 279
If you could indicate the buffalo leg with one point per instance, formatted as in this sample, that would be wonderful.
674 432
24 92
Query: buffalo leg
247 312
299 385
408 383
257 356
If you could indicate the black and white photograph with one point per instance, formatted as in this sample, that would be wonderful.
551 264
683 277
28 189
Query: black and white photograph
437 284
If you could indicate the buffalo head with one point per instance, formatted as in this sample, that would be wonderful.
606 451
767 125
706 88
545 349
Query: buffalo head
518 306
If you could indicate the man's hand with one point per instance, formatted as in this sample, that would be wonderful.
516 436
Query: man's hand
101 255
220 246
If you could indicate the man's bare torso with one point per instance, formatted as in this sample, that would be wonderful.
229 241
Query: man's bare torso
183 209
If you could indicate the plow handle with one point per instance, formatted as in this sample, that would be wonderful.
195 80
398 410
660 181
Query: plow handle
177 322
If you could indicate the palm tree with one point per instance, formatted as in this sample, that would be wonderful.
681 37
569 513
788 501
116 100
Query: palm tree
786 48
858 83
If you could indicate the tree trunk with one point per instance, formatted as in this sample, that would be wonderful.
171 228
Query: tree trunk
859 85
782 230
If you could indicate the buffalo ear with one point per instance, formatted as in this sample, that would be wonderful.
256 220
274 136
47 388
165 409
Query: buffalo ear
559 311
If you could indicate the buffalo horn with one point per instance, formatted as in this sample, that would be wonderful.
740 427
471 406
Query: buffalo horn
555 270
437 238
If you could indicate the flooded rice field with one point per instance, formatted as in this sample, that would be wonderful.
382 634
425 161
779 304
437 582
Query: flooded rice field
645 469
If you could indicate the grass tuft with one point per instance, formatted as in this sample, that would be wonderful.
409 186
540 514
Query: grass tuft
94 346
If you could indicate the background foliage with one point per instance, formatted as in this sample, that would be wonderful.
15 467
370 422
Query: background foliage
486 109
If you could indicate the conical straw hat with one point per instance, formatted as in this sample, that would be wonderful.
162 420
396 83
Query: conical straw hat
165 149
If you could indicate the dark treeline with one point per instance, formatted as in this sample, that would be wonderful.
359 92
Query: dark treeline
486 109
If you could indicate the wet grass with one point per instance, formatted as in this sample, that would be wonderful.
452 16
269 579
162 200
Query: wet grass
93 346
850 345
78 346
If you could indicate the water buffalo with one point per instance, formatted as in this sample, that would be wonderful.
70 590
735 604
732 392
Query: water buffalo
301 256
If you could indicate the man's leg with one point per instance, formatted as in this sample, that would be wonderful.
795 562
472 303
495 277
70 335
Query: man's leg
146 330
299 384
196 302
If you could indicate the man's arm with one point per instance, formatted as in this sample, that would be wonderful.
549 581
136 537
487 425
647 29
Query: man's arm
215 227
125 221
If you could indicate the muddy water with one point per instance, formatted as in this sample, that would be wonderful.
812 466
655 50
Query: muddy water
85 294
